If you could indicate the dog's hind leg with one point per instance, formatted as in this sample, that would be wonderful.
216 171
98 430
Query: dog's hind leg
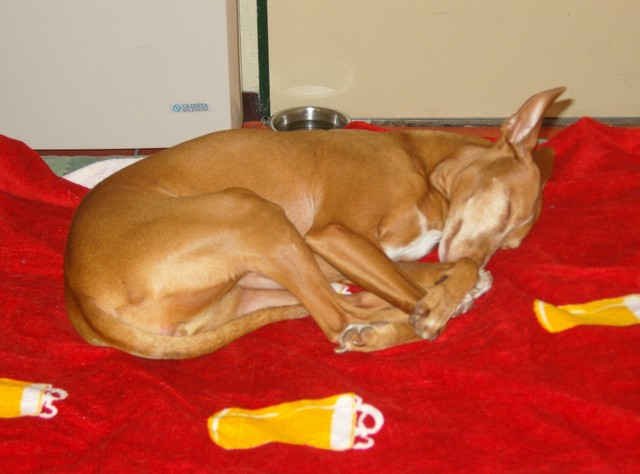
171 265
254 236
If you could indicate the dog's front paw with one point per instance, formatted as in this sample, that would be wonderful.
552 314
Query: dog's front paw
431 314
442 302
484 284
485 281
452 294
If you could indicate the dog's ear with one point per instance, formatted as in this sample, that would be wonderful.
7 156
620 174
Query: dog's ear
521 130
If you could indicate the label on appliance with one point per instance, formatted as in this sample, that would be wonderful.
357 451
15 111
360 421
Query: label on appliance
193 107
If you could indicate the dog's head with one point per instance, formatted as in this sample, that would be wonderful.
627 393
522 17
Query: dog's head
494 193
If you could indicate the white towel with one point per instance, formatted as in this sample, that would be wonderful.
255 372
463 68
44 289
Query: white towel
92 174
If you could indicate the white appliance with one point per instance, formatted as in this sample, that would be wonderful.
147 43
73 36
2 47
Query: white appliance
80 74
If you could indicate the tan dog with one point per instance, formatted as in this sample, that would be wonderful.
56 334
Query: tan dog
199 244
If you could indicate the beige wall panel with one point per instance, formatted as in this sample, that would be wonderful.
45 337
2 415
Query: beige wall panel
247 21
454 58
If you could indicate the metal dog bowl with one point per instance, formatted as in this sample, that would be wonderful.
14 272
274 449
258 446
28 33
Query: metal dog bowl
308 118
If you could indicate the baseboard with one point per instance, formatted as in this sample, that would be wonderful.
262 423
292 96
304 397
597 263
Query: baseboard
493 122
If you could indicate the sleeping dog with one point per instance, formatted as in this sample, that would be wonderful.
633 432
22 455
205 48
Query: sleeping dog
190 248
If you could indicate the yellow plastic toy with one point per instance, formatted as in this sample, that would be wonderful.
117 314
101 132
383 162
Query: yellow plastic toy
621 311
336 423
19 398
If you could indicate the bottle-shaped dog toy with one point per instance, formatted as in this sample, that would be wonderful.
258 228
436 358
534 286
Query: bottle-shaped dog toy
621 311
338 423
19 398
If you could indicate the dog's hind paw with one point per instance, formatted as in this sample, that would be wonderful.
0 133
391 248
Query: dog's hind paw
361 337
353 336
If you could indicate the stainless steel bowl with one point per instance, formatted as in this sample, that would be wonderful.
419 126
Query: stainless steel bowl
308 118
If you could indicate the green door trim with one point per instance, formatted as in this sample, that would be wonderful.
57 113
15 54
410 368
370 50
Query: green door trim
263 59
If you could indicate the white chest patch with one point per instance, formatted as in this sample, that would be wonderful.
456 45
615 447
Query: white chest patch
418 247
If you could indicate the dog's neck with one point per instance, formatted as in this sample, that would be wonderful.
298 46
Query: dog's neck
429 148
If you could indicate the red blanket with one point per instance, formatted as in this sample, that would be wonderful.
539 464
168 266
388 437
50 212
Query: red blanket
495 393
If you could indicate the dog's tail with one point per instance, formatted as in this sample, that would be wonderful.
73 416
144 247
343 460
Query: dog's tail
102 329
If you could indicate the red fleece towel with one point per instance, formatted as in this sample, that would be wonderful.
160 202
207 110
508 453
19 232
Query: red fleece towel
495 393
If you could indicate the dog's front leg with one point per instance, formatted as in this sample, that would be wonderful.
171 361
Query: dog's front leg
363 263
367 266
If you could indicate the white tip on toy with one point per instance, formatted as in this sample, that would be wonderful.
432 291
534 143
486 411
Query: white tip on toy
19 398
